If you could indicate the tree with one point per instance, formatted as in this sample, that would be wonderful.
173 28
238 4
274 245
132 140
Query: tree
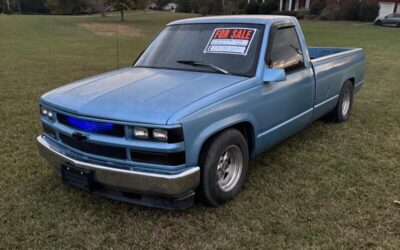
9 6
369 10
317 6
161 3
67 7
122 5
183 6
141 5
95 6
29 6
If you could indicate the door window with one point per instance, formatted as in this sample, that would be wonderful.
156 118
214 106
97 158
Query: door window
285 50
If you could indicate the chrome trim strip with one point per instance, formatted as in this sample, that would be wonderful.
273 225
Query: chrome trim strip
284 123
358 84
327 100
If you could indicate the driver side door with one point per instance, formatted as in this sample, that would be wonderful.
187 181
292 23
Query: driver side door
288 104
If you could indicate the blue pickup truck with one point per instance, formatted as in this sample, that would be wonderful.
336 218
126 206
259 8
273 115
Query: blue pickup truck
205 96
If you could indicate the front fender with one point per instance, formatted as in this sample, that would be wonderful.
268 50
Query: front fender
197 141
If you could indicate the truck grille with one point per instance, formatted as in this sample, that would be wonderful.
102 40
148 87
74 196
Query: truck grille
94 148
105 128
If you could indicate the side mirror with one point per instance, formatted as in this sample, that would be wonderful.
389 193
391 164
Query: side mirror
274 75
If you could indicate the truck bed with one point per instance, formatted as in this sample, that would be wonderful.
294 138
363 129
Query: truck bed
317 52
332 67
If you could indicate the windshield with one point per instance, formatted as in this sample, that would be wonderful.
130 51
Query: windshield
234 48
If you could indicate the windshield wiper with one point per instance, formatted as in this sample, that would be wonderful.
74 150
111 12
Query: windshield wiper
196 63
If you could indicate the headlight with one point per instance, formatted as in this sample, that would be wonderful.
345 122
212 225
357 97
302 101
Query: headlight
142 133
170 135
43 110
160 134
47 113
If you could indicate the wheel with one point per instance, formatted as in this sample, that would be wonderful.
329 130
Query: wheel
223 163
398 25
379 22
343 108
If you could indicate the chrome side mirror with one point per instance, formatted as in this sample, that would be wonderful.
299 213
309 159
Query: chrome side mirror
274 75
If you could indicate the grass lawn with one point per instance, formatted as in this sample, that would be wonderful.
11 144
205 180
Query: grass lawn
329 186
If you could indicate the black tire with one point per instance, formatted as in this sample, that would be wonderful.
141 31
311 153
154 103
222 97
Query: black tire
210 190
379 22
398 25
342 111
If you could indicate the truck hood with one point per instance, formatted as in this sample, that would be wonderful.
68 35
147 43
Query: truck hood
143 95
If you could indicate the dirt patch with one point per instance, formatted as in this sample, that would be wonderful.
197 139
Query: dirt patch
104 29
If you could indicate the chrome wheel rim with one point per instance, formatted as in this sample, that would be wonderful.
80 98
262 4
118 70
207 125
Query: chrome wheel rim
346 102
229 169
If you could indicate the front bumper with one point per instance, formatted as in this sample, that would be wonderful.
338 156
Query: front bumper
164 185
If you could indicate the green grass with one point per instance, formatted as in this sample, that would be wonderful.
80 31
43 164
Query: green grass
329 186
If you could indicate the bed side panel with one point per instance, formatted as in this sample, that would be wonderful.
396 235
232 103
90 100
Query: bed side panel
330 74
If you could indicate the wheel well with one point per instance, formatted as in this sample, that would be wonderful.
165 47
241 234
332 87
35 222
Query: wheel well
352 80
247 130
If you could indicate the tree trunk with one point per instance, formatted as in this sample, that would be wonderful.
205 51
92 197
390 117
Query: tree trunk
122 14
19 7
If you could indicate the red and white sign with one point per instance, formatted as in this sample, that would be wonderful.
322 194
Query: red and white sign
235 41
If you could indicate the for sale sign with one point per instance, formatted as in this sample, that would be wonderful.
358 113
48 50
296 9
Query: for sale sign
230 41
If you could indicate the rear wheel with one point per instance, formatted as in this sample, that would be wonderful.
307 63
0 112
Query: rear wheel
343 108
223 164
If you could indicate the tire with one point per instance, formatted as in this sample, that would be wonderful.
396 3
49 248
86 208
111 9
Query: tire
342 111
224 164
398 25
379 22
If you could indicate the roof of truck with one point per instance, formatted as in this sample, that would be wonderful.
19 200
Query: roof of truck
259 19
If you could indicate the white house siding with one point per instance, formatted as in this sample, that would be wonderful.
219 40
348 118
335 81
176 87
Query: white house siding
385 8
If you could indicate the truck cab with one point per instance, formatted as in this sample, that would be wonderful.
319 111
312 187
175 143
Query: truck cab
205 96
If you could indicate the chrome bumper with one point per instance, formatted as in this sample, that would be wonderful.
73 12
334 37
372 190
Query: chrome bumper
129 181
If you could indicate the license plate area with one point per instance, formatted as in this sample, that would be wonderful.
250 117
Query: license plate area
78 177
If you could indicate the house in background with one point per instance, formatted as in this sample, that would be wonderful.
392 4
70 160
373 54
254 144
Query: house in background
170 7
386 6
152 6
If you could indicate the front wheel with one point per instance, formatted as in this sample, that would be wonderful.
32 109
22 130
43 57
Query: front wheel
379 22
343 108
223 163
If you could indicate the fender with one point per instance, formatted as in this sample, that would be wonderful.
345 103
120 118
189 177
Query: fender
217 127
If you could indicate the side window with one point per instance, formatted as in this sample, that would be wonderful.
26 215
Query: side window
285 50
390 16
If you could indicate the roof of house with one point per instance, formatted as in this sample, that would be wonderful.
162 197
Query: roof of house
258 19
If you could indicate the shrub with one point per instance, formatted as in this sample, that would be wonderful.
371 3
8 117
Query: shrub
350 10
369 10
183 6
317 6
302 13
311 17
268 7
204 10
329 13
252 8
286 13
